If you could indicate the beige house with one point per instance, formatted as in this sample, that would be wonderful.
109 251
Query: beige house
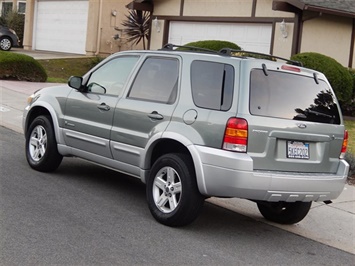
280 27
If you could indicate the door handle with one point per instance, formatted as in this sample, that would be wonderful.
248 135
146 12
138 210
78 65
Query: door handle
104 107
155 116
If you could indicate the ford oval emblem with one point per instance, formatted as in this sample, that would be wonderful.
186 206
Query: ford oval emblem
302 126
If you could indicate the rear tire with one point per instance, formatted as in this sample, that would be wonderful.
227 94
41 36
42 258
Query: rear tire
284 212
172 193
41 146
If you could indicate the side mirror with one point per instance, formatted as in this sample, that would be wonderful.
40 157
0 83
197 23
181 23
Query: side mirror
76 83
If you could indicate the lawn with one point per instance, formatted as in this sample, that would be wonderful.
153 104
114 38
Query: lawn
350 126
60 70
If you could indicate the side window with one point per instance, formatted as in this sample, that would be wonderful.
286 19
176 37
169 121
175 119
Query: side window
212 85
111 77
157 80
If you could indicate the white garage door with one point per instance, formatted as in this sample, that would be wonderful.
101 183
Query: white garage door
61 26
249 36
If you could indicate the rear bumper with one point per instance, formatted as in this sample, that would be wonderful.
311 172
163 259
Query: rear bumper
226 174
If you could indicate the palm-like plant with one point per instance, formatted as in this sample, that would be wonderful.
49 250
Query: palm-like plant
137 26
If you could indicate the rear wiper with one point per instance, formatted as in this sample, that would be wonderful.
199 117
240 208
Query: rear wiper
319 114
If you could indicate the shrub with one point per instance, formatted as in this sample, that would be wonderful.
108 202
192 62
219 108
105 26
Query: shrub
338 76
350 158
349 107
2 21
20 67
214 45
16 22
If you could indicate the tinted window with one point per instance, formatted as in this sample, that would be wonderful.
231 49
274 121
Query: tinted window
290 96
212 85
156 81
112 76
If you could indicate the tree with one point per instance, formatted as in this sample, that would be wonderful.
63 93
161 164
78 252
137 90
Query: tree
137 26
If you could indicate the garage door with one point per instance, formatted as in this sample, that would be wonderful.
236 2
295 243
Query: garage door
249 36
61 26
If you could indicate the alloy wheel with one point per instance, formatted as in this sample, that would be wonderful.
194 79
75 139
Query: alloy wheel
167 189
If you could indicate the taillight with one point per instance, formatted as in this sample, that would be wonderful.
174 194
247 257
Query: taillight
345 144
291 68
236 135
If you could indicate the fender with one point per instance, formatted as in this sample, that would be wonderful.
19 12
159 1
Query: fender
53 114
185 142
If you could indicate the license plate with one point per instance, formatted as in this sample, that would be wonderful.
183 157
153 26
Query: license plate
297 150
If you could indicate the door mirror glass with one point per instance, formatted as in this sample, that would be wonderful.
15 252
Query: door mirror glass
75 82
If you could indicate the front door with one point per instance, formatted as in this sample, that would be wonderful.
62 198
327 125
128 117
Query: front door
89 114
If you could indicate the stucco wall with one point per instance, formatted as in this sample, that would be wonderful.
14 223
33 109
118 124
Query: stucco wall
105 30
166 7
156 39
264 9
28 30
95 30
282 45
328 35
215 8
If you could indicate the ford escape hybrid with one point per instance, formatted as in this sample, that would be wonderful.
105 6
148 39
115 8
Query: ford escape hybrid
193 124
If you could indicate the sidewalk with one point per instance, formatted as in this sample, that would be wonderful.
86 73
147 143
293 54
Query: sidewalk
333 224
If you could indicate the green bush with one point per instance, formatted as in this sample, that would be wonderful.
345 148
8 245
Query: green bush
16 22
2 21
214 45
350 158
20 67
348 108
338 76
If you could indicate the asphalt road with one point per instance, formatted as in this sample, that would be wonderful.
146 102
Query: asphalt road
84 214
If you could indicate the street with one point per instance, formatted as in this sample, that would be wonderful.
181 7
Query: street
84 214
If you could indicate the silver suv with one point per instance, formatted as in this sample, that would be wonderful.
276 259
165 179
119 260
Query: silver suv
196 124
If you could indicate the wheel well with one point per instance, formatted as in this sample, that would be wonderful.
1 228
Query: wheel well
7 37
167 146
35 112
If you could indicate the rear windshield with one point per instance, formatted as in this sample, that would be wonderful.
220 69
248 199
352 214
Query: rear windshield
290 96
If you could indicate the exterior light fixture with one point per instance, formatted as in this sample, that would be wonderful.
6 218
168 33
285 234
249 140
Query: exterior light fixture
114 13
156 24
283 29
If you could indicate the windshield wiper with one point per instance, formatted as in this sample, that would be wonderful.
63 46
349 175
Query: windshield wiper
319 114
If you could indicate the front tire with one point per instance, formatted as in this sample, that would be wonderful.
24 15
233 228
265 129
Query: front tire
172 193
41 146
5 43
284 212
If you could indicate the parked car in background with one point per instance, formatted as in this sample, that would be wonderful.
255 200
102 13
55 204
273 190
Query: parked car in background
8 38
193 125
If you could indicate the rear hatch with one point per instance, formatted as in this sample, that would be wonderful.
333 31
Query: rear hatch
294 120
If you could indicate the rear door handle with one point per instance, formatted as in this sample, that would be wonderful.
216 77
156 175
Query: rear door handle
155 116
104 107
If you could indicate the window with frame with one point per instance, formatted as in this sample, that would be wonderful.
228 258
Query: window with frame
157 80
21 8
111 77
212 85
6 7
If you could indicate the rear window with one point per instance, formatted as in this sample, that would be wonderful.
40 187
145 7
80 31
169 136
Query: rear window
290 96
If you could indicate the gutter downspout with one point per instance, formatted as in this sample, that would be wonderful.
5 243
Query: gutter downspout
99 30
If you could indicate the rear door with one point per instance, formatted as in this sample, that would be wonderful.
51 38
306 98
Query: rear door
294 122
147 108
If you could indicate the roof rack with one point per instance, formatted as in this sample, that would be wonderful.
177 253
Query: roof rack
170 47
228 51
232 52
